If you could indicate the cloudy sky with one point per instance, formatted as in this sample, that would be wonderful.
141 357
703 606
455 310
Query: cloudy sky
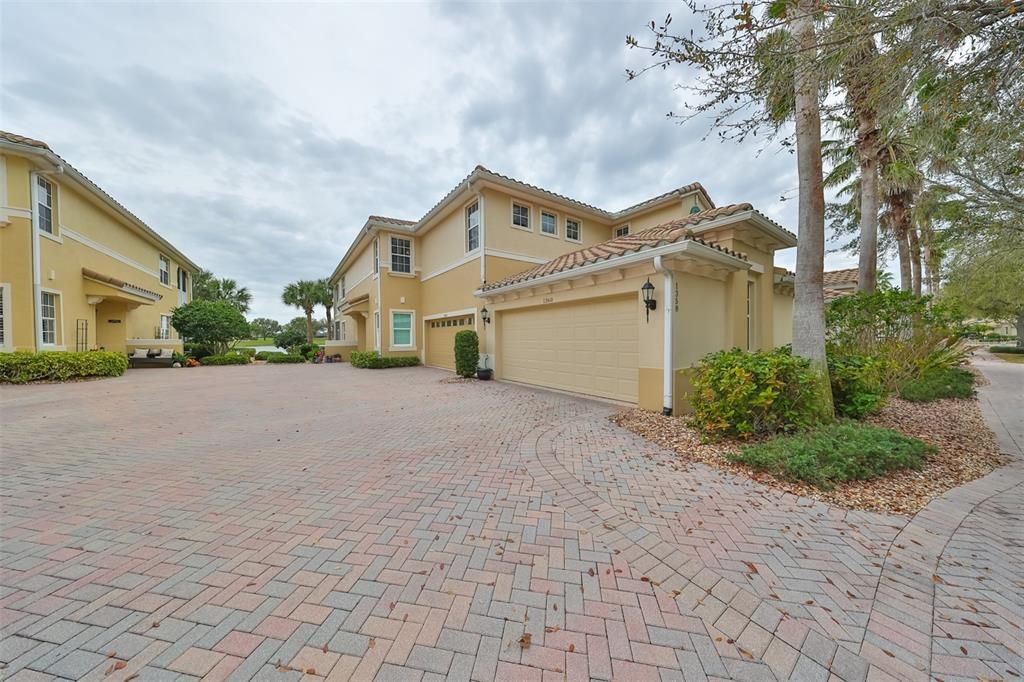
258 137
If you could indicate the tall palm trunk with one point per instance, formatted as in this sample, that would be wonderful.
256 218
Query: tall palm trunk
809 303
915 259
860 78
309 325
330 326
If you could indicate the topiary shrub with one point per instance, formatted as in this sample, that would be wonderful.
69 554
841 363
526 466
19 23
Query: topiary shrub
939 383
284 359
857 384
23 367
266 354
372 360
749 395
242 350
226 359
833 453
1006 349
467 352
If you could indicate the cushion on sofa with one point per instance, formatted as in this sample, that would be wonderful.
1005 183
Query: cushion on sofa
140 353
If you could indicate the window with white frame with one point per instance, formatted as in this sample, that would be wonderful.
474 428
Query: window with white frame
401 255
520 215
343 333
376 329
44 199
473 226
182 280
622 231
337 330
165 270
548 223
573 230
401 329
376 257
5 313
165 327
48 314
343 286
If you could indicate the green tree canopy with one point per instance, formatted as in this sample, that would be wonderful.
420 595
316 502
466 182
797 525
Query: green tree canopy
264 327
214 323
305 294
207 287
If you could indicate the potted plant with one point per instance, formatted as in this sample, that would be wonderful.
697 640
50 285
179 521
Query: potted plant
484 373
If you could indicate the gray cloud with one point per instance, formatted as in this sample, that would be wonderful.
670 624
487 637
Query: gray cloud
259 141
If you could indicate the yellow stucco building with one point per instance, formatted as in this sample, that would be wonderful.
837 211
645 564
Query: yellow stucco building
555 287
78 271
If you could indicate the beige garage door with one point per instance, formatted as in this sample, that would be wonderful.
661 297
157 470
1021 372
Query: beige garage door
588 347
441 340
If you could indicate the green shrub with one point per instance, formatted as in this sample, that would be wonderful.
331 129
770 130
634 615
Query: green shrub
226 359
284 358
290 336
266 354
833 453
242 350
857 384
938 383
467 352
214 323
736 393
909 334
180 358
371 360
23 367
1006 349
198 350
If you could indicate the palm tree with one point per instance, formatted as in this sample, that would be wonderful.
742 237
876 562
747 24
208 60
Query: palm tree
304 294
206 287
327 301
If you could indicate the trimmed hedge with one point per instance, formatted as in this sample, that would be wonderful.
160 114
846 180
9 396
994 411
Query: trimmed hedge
265 354
226 359
843 451
371 360
242 350
1006 349
23 367
749 395
467 352
284 359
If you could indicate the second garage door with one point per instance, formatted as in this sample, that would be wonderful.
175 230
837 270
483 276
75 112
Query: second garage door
588 347
441 339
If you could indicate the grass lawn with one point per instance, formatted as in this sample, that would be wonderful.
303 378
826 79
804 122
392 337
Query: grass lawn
1011 357
250 343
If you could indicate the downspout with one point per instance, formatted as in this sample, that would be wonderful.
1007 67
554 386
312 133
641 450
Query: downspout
668 361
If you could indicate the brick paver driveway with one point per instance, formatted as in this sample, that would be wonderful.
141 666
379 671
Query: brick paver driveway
275 522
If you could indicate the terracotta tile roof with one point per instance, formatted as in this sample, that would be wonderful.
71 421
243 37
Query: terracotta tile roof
667 233
834 277
21 139
832 294
121 284
390 221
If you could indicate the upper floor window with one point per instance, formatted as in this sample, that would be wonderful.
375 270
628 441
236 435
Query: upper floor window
44 197
548 223
165 270
473 226
182 280
520 215
573 232
622 231
376 257
401 255
342 286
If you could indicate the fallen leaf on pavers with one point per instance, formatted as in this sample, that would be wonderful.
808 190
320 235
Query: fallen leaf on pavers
745 653
552 628
753 568
372 643
311 671
391 606
524 641
938 580
889 653
120 665
111 654
590 572
644 579
155 624
324 648
572 648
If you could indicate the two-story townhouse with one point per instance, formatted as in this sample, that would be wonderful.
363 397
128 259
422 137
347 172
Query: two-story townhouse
555 287
78 271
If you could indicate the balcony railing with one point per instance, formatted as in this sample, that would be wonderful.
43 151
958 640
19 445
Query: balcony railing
163 334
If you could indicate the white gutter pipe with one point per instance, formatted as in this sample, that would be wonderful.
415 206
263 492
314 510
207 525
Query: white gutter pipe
668 359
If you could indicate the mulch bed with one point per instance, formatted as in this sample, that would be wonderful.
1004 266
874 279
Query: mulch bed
966 450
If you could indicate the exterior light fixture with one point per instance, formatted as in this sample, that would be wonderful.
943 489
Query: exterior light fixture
485 315
649 303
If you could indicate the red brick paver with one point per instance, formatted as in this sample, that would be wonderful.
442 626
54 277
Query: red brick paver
271 522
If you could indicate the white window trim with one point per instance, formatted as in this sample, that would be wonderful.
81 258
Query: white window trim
615 232
579 223
8 344
376 255
529 215
540 224
160 260
54 207
376 330
412 256
391 329
479 227
58 323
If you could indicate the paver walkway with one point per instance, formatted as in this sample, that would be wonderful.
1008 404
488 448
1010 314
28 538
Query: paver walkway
281 522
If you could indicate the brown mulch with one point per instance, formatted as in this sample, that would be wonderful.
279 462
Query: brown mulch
966 450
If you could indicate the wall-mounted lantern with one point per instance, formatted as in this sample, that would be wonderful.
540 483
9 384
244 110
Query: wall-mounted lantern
485 315
649 303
